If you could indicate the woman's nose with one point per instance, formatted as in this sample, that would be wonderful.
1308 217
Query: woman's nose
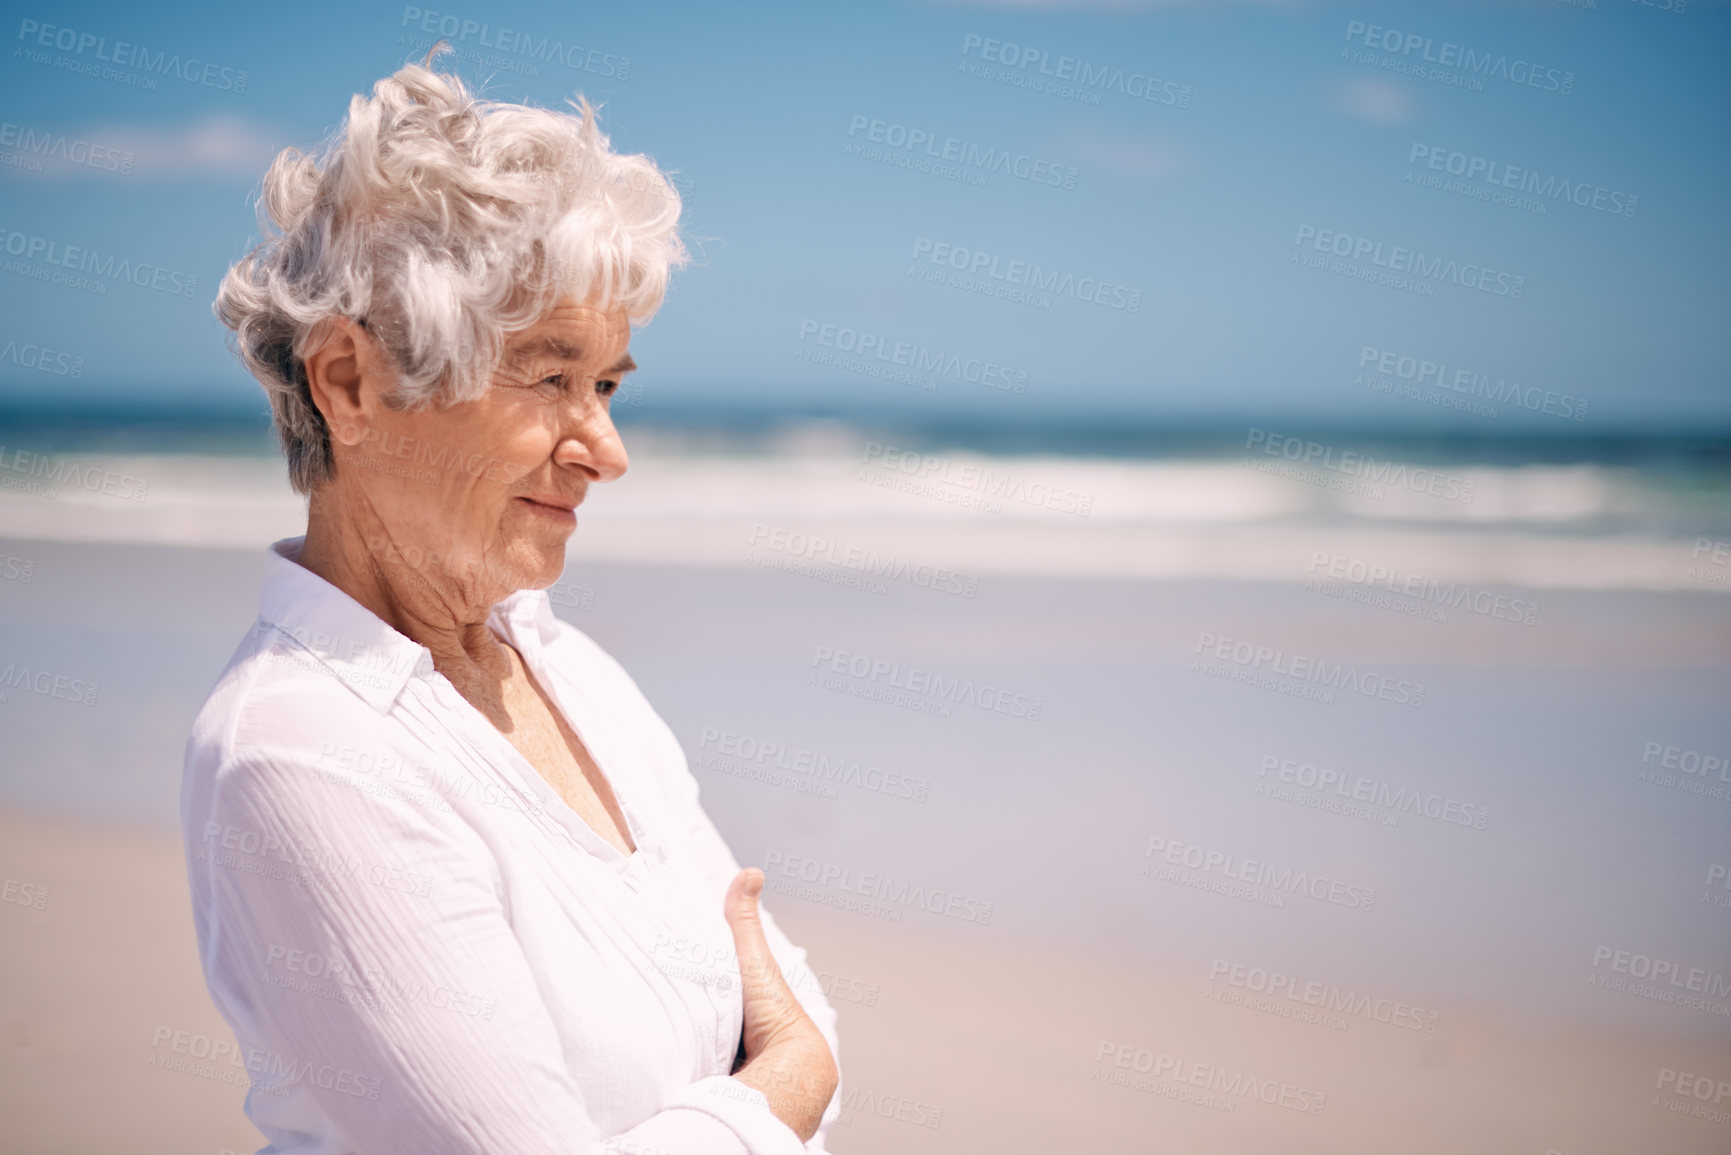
592 441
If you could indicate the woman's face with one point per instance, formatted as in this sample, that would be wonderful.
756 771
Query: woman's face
477 499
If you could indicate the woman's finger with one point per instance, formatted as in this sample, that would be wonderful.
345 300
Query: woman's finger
766 993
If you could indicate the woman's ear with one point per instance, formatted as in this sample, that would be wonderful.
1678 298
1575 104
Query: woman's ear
344 380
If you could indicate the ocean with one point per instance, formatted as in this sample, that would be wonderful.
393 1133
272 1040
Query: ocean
1148 783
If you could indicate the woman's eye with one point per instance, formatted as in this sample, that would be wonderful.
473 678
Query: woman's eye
549 388
556 385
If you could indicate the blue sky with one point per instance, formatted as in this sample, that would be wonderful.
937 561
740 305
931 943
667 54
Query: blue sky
1281 211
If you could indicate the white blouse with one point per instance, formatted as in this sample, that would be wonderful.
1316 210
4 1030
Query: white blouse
419 945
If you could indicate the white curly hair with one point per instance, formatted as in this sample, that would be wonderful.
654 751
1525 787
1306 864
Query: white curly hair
440 222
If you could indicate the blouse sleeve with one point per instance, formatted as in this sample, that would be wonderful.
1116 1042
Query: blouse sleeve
720 866
367 935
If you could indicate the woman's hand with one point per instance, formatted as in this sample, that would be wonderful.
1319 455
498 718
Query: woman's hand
787 1057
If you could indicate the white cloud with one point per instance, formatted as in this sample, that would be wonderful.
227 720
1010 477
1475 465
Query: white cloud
219 145
1135 160
1373 100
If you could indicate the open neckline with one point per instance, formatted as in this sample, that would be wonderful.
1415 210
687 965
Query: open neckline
550 695
535 780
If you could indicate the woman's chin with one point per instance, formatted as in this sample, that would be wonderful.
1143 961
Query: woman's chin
538 559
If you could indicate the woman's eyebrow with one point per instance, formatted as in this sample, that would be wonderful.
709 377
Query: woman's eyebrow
550 346
565 351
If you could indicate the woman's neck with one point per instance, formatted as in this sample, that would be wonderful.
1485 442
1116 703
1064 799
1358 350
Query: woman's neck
348 545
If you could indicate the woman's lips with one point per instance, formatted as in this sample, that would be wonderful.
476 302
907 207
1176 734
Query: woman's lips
558 509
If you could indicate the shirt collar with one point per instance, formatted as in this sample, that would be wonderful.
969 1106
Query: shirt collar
360 649
525 619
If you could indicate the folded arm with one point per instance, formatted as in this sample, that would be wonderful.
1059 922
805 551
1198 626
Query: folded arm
720 866
368 935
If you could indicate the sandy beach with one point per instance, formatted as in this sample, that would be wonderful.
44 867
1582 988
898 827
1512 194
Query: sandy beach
1476 869
958 1027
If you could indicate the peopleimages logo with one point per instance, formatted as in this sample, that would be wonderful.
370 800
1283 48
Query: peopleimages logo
339 979
1361 465
1358 788
127 55
48 684
252 852
517 42
1454 595
271 1072
877 886
1229 1087
747 749
31 895
1718 555
908 355
1255 873
1327 997
1701 1087
36 147
883 1104
29 247
918 680
1688 761
1022 274
862 560
1499 175
1306 669
1440 375
1661 980
1411 50
1080 77
42 359
980 480
1409 262
986 160
40 474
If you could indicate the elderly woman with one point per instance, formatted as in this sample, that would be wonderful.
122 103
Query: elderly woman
453 885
